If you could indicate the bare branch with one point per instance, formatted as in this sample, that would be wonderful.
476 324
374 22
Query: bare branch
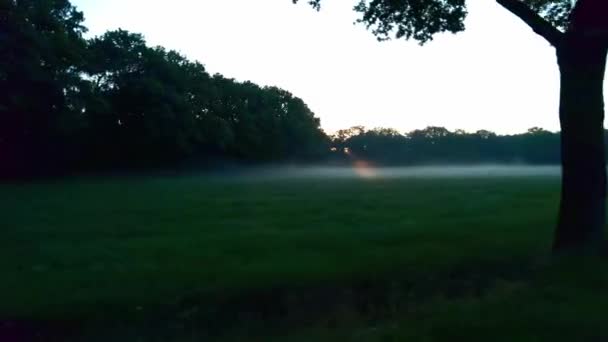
535 21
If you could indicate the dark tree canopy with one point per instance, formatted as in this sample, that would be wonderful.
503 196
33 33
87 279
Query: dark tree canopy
41 50
114 102
421 20
438 145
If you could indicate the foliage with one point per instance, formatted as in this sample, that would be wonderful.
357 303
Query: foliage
421 20
557 12
41 47
115 102
438 145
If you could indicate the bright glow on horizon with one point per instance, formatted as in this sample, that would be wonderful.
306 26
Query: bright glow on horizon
498 75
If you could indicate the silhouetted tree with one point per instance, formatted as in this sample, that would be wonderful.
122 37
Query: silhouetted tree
149 100
579 32
437 145
268 123
115 102
41 53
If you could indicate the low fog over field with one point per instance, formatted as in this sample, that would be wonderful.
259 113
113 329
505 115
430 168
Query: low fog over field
366 171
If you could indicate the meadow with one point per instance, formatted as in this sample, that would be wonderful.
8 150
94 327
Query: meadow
270 258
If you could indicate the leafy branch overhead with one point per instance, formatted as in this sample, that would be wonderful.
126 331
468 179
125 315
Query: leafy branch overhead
421 20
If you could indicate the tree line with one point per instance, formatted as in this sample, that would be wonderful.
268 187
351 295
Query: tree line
113 102
71 103
438 145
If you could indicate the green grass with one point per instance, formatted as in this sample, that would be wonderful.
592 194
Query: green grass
358 259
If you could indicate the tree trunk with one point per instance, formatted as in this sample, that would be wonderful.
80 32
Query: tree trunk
582 216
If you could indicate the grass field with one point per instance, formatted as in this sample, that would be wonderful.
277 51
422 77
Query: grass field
196 258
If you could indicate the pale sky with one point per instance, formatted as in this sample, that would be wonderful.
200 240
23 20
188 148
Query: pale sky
497 75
